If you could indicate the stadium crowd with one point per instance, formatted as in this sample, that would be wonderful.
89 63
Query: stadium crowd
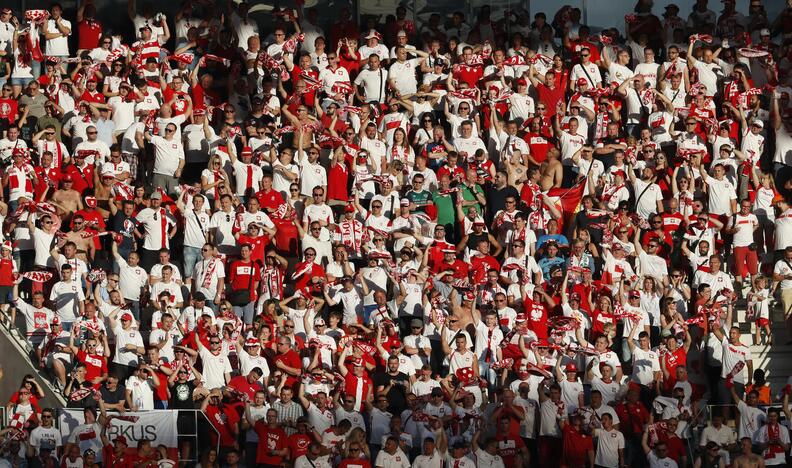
460 242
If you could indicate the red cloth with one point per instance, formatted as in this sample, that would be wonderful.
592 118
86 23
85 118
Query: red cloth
110 459
536 313
269 199
676 449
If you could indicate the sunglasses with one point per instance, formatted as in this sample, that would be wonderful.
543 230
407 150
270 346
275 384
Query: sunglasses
288 326
214 342
93 133
168 130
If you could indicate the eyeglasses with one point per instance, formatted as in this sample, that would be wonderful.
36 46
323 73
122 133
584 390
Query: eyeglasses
214 342
294 190
354 450
288 326
427 121
376 206
690 123
169 130
224 309
317 194
91 133
47 222
313 152
464 108
310 255
279 34
46 416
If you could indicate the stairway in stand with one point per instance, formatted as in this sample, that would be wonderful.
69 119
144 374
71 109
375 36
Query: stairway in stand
776 360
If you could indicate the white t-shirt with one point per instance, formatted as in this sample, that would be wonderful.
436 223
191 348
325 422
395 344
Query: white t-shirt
168 153
67 298
608 445
647 205
215 366
58 46
142 393
123 338
374 83
721 193
732 354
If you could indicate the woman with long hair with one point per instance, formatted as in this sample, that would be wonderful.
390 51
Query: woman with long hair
22 73
400 149
213 176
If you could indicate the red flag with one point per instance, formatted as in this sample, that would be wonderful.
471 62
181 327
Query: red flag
569 200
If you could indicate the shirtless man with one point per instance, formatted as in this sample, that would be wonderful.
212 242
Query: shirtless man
102 192
66 200
84 245
552 171
303 134
747 458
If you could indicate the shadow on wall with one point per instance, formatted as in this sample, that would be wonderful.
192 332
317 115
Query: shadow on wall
14 368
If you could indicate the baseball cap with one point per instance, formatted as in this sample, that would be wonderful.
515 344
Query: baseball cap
758 123
156 195
66 178
121 440
247 150
126 316
55 321
764 32
520 318
7 245
582 81
199 296
571 367
416 323
319 321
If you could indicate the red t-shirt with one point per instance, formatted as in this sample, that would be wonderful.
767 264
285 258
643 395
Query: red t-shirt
461 269
83 178
259 245
110 459
8 110
270 439
676 449
536 314
240 276
240 383
222 419
96 96
508 448
270 200
576 446
354 463
296 73
469 75
550 97
88 33
337 178
539 146
95 365
298 445
672 361
291 359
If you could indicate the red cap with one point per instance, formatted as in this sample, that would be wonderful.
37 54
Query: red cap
635 293
522 82
126 316
582 81
197 112
247 150
252 342
520 318
90 202
574 297
571 367
66 178
493 88
620 173
121 440
55 321
350 208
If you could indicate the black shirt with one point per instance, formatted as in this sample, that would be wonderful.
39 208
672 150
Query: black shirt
397 396
182 395
117 396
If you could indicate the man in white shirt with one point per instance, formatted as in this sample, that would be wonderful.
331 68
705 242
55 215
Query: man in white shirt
402 72
67 296
467 144
586 70
372 81
722 193
168 160
158 226
57 31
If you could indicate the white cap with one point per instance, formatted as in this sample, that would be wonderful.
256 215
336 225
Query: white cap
764 32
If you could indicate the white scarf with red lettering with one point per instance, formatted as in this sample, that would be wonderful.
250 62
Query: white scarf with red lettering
601 129
209 273
351 234
273 282
773 433
610 191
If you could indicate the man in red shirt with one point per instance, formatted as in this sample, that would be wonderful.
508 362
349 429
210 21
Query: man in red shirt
578 446
224 418
248 384
115 454
510 445
272 445
95 364
674 357
676 448
268 198
244 274
357 383
288 361
299 441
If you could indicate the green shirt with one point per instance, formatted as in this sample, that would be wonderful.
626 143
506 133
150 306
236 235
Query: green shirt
446 213
469 195
422 198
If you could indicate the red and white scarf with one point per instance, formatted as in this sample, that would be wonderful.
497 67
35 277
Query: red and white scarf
352 234
272 281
